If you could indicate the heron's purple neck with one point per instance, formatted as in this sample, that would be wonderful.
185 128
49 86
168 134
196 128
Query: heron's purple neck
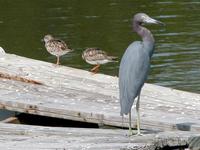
143 32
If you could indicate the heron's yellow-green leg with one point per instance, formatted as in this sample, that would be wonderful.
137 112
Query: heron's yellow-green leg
138 115
130 128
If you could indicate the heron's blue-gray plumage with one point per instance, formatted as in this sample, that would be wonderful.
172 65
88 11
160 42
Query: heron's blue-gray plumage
133 72
134 67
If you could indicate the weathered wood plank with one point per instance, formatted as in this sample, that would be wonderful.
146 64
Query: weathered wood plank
75 94
10 120
36 137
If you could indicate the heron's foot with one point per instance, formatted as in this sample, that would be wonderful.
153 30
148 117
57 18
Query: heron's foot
131 132
134 133
139 134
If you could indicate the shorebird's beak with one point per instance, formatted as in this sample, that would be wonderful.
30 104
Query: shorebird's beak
149 20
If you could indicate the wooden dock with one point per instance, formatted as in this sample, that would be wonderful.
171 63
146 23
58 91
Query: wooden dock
75 94
22 137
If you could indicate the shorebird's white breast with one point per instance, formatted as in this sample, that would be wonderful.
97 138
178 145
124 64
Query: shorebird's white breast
58 53
95 62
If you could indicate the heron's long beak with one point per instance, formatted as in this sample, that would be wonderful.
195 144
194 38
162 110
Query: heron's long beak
149 20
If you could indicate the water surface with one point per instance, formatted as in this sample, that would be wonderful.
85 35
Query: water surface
107 24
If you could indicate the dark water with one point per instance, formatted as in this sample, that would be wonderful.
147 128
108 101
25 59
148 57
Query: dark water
107 24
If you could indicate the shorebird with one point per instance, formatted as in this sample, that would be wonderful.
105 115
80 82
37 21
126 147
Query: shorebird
56 47
96 56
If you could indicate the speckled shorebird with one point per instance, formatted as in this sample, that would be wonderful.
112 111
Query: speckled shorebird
56 47
96 56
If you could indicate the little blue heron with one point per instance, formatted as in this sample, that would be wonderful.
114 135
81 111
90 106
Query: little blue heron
96 56
56 47
134 67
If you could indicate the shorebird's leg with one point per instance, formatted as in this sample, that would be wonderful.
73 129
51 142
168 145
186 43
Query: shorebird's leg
58 60
95 69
